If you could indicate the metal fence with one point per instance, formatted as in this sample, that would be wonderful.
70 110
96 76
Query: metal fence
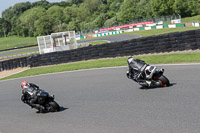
57 42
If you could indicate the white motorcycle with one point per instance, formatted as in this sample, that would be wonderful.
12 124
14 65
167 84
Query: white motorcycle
146 75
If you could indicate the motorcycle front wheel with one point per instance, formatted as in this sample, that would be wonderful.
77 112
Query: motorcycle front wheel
54 106
164 81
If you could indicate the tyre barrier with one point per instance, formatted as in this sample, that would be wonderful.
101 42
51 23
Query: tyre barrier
179 41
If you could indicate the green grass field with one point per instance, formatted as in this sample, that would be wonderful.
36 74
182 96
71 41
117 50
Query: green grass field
191 19
12 42
153 59
98 42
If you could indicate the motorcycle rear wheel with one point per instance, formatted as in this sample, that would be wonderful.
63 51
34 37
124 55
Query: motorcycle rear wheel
54 106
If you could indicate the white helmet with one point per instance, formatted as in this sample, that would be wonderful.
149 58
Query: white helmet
130 59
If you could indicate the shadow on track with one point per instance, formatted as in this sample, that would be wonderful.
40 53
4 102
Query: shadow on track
62 109
45 111
156 87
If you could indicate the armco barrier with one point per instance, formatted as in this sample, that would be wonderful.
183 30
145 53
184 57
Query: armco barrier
179 41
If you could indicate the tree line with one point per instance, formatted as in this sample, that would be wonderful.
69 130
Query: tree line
42 17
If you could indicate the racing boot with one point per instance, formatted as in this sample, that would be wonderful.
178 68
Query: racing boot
156 83
149 83
145 83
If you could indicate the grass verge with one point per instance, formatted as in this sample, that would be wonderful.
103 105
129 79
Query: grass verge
14 41
191 19
98 42
153 59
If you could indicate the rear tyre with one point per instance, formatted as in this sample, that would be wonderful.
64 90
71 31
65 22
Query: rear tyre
164 81
54 106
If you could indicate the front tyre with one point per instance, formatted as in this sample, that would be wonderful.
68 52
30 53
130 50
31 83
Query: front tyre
54 106
164 81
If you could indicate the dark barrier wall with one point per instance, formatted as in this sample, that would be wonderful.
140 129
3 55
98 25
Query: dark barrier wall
14 63
179 41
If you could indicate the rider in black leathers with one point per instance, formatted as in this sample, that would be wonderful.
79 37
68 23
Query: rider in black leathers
29 95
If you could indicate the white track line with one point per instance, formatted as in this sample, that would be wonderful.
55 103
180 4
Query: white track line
103 68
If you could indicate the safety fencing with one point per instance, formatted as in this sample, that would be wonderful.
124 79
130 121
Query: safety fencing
179 41
172 19
148 27
196 24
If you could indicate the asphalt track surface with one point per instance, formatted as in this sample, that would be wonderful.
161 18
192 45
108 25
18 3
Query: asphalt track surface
105 101
16 52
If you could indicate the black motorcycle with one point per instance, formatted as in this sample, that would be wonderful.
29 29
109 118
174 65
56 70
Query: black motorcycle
146 75
47 101
43 99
